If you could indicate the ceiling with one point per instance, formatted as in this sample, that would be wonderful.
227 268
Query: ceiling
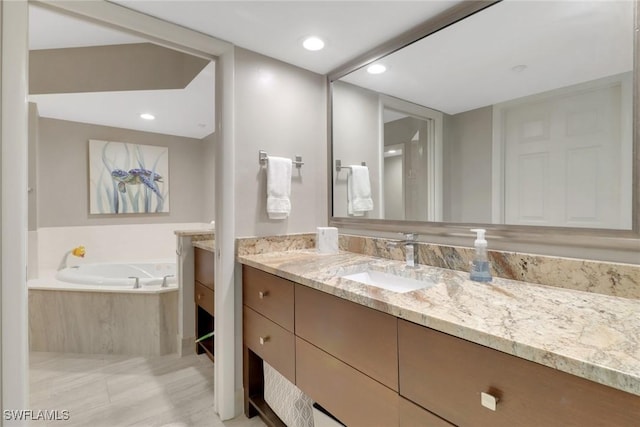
350 28
277 28
507 51
184 112
272 28
187 112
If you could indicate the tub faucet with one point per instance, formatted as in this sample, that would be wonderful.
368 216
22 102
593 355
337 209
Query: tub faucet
136 285
164 280
77 251
410 250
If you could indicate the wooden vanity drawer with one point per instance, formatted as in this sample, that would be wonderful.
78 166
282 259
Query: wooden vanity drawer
352 397
362 337
269 295
446 375
204 297
271 342
204 270
412 415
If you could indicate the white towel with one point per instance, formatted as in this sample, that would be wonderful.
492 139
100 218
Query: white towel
278 187
359 198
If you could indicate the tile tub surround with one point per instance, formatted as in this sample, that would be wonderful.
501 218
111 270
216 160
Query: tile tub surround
614 279
66 321
106 243
586 334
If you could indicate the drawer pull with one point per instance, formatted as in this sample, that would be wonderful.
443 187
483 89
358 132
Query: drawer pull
263 340
263 294
199 297
488 401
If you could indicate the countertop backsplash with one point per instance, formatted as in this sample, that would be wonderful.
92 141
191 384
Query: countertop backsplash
607 278
261 245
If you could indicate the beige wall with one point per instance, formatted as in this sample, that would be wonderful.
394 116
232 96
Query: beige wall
467 166
393 188
62 190
208 161
281 109
33 166
356 139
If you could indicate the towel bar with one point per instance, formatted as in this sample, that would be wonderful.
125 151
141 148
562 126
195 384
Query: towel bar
263 156
340 167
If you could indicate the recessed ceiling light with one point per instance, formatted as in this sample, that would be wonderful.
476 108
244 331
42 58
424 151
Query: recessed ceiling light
391 151
519 68
313 43
376 69
147 116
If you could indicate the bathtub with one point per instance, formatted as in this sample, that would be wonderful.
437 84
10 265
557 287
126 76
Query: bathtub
93 308
120 274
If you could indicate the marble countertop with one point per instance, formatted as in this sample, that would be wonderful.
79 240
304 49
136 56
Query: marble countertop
207 245
196 232
590 335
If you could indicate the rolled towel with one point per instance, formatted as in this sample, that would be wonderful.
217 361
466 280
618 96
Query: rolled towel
359 198
278 187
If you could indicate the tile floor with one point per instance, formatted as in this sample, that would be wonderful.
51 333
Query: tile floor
116 390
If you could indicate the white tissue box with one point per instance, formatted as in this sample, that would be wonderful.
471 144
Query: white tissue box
327 240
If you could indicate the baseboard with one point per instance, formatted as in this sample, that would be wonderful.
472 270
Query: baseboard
239 402
186 346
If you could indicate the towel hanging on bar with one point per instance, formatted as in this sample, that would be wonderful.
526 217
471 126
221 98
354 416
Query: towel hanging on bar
278 187
359 198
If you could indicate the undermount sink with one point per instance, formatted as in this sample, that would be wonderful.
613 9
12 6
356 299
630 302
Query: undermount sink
388 281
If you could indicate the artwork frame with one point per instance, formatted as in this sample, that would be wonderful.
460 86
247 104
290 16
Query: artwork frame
127 178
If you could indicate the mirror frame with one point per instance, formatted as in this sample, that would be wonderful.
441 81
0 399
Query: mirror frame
600 239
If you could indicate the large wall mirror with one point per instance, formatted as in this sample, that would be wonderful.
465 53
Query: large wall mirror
520 115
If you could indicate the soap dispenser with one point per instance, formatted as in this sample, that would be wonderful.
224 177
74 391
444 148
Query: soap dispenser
480 271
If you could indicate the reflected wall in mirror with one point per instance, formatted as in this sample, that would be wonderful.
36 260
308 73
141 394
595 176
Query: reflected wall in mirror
519 114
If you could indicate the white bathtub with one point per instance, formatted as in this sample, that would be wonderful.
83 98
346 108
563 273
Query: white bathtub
111 277
120 274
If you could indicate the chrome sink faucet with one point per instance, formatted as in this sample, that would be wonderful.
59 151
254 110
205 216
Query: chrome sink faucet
410 250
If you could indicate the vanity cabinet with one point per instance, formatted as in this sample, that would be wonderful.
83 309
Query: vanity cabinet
369 368
361 337
268 334
269 295
347 358
448 375
271 342
412 415
342 354
204 298
352 397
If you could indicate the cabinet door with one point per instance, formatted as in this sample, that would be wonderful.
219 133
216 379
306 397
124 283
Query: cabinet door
204 267
447 375
412 415
204 297
362 337
269 295
352 397
271 342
